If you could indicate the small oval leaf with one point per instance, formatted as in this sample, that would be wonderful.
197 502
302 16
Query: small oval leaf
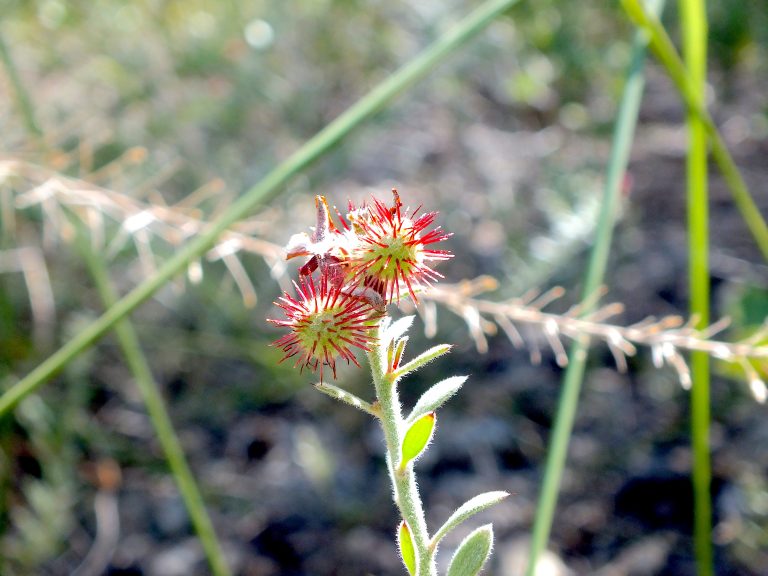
422 359
472 553
436 396
467 510
417 438
407 552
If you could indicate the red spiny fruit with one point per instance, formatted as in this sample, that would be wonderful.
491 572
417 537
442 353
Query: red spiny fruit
393 249
325 323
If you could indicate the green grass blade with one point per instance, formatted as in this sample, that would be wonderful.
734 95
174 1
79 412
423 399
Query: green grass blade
161 420
694 31
268 187
23 101
665 51
617 165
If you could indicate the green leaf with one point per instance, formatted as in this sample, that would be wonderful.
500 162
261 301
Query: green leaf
467 510
436 396
422 359
417 438
407 552
346 397
394 330
472 553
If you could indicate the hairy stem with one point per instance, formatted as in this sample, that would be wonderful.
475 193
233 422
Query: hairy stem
406 493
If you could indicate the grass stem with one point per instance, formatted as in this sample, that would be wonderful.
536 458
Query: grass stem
661 44
161 420
574 375
23 100
694 32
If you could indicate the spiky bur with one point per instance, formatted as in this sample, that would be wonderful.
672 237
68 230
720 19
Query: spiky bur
325 324
377 255
393 249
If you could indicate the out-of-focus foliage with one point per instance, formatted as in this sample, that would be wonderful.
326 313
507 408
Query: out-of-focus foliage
509 138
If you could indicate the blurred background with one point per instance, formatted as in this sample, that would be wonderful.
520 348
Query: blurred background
188 103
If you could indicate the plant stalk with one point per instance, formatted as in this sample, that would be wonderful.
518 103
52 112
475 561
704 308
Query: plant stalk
665 51
406 493
577 357
694 31
161 420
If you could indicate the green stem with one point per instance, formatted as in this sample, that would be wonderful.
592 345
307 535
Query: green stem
694 31
574 375
23 101
346 397
406 493
161 421
665 51
323 141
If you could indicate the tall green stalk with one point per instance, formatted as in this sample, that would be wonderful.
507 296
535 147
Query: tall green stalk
268 187
665 51
137 363
161 420
574 375
694 29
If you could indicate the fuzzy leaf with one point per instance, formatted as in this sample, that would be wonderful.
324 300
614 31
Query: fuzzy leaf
344 396
422 359
467 510
407 552
417 438
436 396
472 553
396 329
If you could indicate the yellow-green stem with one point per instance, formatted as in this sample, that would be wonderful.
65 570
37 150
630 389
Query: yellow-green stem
665 51
694 31
569 398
